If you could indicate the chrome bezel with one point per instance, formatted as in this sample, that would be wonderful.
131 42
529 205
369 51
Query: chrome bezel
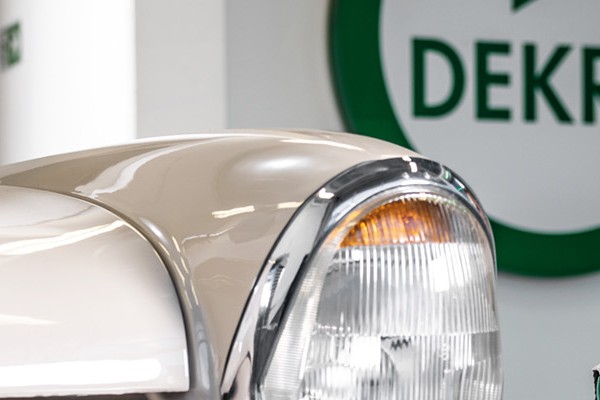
259 326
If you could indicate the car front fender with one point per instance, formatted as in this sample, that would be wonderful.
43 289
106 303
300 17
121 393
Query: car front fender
212 205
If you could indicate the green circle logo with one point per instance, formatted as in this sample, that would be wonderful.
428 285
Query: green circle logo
508 94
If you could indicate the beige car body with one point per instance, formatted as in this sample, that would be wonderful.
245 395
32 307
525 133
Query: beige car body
212 205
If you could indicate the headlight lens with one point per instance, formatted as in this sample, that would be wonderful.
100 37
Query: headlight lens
395 301
400 306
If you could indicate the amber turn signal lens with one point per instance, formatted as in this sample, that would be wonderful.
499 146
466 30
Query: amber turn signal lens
409 220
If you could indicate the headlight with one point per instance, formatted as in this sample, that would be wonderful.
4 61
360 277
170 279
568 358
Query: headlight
391 297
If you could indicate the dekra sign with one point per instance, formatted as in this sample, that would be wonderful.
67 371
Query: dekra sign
505 93
537 77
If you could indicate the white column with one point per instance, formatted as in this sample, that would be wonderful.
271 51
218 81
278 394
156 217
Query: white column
74 86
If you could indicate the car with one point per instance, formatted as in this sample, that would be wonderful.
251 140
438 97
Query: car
246 264
595 374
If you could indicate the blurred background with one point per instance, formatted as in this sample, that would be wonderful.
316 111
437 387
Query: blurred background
78 74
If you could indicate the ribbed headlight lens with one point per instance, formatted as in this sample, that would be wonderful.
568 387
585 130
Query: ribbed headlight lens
397 303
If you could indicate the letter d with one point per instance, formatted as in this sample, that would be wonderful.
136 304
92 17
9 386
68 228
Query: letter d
421 107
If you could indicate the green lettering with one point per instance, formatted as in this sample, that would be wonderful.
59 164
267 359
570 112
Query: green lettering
534 82
421 108
591 87
485 79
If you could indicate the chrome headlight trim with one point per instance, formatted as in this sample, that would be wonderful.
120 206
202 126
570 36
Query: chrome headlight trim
313 222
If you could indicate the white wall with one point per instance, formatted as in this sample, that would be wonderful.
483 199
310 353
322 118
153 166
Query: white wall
550 336
277 65
74 87
180 72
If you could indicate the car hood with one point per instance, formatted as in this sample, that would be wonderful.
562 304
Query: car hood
212 204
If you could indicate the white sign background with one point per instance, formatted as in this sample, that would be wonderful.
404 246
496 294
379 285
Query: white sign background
539 176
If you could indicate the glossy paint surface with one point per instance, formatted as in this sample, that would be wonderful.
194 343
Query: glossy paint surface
213 205
86 305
